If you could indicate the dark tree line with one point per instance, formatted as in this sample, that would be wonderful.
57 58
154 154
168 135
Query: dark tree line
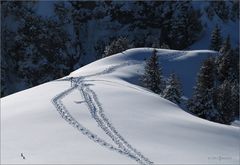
36 49
216 95
33 49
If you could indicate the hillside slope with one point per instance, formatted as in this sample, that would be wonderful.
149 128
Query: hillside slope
101 116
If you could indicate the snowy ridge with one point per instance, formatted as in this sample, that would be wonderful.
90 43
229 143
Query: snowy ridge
185 64
116 121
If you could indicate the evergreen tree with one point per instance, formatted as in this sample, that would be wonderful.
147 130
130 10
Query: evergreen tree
225 61
39 49
206 75
227 93
202 105
120 15
13 15
166 27
225 104
225 64
226 46
185 26
216 39
221 9
64 16
62 12
116 46
164 46
234 70
234 15
173 90
8 61
235 98
81 13
152 78
202 102
210 12
228 89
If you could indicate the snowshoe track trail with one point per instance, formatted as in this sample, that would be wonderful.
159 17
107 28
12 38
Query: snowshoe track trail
98 115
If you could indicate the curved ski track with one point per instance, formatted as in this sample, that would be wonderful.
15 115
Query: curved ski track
98 115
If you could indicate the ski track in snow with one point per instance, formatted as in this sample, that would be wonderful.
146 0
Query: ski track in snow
98 115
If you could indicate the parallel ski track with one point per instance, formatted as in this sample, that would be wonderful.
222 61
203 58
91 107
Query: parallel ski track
98 115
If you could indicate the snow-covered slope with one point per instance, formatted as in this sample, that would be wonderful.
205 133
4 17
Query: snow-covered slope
104 117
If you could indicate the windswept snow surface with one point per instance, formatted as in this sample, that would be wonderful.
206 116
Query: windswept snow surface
103 117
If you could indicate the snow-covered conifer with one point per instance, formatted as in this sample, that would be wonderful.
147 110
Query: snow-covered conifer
116 46
202 102
152 78
223 66
185 26
235 98
225 104
226 46
164 46
221 9
173 91
216 39
234 14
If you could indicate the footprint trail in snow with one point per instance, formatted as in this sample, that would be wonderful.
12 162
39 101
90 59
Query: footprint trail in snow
97 113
